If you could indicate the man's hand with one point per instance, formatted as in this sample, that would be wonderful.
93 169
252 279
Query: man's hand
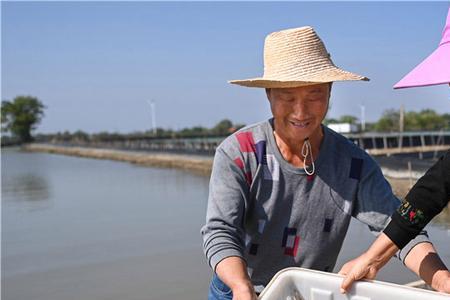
443 282
369 263
244 293
233 272
356 269
445 286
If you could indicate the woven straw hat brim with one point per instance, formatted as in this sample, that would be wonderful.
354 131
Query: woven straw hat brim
328 75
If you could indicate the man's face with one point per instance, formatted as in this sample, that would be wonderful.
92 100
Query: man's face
298 112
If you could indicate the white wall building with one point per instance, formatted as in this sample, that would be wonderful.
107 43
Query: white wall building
343 127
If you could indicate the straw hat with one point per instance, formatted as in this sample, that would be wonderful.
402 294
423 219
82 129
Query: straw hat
435 69
296 57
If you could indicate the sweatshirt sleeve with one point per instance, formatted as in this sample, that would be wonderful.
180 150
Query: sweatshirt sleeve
428 197
224 234
376 203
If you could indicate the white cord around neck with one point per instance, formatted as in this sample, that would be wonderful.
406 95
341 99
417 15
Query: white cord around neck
306 149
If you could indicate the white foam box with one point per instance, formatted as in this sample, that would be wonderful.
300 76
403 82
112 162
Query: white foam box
304 284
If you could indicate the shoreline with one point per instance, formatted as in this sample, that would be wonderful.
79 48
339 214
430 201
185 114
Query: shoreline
196 164
200 165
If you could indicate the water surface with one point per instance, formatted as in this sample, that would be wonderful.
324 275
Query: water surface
78 228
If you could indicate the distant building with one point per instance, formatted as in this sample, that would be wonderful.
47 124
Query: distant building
343 127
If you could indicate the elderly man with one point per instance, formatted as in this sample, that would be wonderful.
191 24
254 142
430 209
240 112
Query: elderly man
283 191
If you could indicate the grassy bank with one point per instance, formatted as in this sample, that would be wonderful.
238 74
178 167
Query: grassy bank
198 165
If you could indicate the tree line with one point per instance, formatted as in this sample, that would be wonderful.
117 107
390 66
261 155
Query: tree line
390 120
221 129
21 116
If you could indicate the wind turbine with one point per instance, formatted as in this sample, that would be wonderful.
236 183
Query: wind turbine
363 117
153 115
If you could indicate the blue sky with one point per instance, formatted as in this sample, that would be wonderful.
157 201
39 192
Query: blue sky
95 65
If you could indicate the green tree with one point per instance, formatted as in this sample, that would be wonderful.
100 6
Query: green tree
330 121
80 136
446 118
239 126
196 131
348 119
223 127
343 119
21 116
389 121
426 119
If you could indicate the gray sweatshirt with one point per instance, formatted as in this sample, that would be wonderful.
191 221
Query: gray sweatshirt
273 215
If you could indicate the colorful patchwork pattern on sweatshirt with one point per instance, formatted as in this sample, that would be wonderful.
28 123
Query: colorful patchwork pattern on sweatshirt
273 215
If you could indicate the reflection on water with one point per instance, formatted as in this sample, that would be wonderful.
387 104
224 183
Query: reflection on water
26 187
25 184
